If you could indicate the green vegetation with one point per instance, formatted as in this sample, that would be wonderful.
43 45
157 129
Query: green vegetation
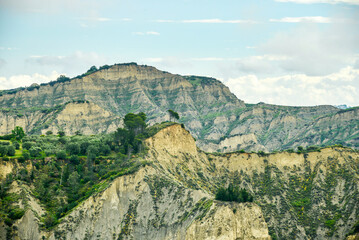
68 169
173 115
233 194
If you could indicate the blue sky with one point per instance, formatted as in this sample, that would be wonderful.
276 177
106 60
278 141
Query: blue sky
290 52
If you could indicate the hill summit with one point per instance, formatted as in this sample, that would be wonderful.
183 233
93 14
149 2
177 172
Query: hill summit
214 115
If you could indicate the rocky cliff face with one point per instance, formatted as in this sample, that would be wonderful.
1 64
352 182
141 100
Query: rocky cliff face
302 196
84 117
215 117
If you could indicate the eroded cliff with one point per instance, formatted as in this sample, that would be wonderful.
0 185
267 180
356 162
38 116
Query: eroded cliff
308 195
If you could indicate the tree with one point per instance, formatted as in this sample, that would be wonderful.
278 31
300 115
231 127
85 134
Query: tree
27 145
173 115
11 150
3 150
18 133
62 78
74 181
74 159
35 151
61 133
135 123
61 155
233 194
73 148
92 69
49 133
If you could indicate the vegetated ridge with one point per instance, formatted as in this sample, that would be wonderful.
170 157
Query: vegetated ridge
216 117
297 195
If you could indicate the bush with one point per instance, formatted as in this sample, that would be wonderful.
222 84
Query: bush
61 155
35 152
233 194
73 148
21 159
61 133
49 133
16 213
50 220
3 150
26 155
11 150
27 145
16 145
74 159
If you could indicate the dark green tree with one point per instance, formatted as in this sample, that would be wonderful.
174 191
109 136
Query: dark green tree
3 150
173 115
35 151
11 150
18 133
61 155
61 133
73 148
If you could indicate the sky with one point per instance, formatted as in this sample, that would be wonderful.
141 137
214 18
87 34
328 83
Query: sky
286 52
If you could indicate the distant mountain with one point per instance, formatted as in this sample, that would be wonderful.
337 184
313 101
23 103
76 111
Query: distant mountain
215 116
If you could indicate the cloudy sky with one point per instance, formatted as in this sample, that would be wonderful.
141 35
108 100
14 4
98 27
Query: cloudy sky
288 52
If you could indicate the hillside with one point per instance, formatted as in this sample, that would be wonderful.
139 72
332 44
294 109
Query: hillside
216 117
300 195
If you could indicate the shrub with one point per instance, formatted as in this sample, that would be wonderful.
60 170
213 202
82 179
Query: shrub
26 155
74 159
11 150
35 152
73 148
27 145
21 159
16 213
16 145
3 150
233 194
61 155
50 220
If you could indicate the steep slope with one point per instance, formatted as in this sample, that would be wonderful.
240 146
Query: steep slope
82 116
147 204
219 120
310 195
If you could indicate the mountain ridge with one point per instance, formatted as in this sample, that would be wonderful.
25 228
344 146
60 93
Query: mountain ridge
207 107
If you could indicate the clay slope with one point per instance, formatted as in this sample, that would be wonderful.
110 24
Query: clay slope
82 117
302 196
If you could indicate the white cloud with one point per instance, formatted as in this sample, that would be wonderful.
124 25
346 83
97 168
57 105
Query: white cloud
299 89
207 59
26 80
146 33
96 19
354 2
214 20
71 64
316 19
313 50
